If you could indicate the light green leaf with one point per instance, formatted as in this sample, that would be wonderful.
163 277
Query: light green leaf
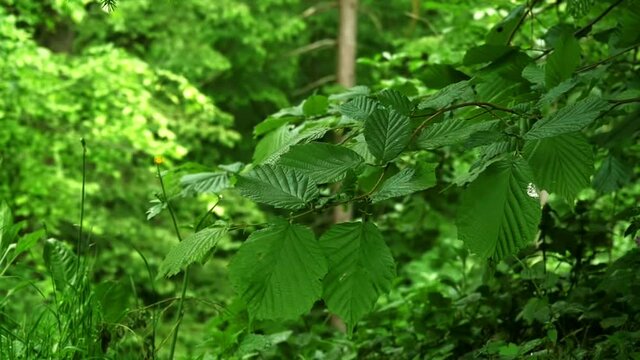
205 183
193 248
315 105
450 132
571 118
359 108
612 175
61 263
278 271
278 186
407 181
274 144
561 164
500 211
361 268
563 61
447 95
396 100
323 163
387 133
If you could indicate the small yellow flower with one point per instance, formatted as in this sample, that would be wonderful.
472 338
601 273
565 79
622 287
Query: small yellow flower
158 160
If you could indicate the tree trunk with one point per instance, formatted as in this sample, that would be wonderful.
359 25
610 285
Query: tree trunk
346 75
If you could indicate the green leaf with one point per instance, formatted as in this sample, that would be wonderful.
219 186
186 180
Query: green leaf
387 133
315 105
361 268
278 186
359 108
407 181
501 32
396 100
274 144
485 53
561 164
351 93
278 271
323 163
193 248
205 183
563 61
579 8
438 76
450 132
612 175
460 91
571 118
500 211
61 263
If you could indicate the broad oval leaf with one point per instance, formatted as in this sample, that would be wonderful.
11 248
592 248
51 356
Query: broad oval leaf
315 105
450 132
407 181
361 268
612 174
193 248
205 183
359 108
278 271
323 163
563 61
387 133
571 118
499 211
460 91
396 100
561 164
278 186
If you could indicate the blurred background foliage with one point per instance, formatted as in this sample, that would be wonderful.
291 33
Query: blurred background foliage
190 79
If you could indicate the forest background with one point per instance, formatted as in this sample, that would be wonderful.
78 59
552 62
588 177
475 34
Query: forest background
213 90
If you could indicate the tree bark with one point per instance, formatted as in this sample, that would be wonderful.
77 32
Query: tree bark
346 76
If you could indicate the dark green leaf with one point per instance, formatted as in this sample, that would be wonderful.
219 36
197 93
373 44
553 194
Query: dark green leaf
485 53
500 210
438 76
359 108
561 164
612 175
396 100
278 186
563 61
278 271
361 268
571 118
387 133
460 91
407 181
450 132
322 162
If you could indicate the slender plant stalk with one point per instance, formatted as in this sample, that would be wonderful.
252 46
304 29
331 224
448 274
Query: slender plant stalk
185 278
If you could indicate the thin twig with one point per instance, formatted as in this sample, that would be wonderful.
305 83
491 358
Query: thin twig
605 60
585 30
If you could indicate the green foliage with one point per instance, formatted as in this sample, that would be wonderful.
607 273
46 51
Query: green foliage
278 186
486 105
193 248
387 133
561 164
278 271
323 163
499 212
361 269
